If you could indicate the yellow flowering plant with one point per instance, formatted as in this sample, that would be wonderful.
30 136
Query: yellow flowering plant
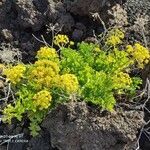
61 40
47 53
139 53
42 99
105 70
15 73
36 87
91 71
69 83
115 37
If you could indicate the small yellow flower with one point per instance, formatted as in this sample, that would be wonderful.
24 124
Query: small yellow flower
113 40
119 33
110 59
69 83
115 37
97 49
139 53
129 49
121 80
42 99
15 73
61 40
43 73
47 53
48 64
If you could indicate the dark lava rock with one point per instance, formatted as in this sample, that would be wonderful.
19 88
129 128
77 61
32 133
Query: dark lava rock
66 21
17 146
7 35
139 19
80 26
74 127
83 8
77 35
21 19
79 31
3 148
41 142
28 15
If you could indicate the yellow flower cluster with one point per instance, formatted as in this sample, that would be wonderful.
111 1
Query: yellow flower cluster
97 49
43 73
48 64
110 58
139 53
15 73
69 83
42 99
122 80
115 37
47 53
61 40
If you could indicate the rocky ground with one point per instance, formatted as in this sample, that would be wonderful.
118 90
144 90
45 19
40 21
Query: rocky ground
21 19
77 126
23 22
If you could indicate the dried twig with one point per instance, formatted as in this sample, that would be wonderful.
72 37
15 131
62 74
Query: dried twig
54 29
96 16
8 94
41 41
143 129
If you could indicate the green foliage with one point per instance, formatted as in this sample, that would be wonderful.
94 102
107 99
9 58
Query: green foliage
101 72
